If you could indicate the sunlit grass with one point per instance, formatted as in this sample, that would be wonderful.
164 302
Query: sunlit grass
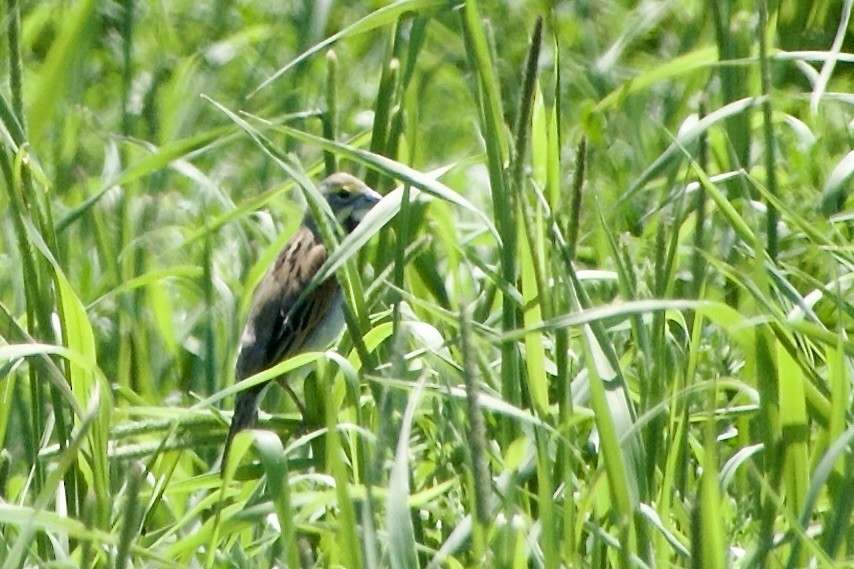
600 318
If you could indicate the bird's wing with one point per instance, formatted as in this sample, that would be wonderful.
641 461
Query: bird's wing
279 322
298 319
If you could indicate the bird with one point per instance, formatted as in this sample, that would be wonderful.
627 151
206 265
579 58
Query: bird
281 323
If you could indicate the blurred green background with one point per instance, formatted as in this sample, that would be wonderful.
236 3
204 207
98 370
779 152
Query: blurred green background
641 362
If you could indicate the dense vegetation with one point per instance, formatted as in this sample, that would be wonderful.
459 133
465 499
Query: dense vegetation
600 319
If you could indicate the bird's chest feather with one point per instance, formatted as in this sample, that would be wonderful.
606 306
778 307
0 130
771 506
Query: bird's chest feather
329 328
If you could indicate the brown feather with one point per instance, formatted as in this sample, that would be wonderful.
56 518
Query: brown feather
279 323
282 322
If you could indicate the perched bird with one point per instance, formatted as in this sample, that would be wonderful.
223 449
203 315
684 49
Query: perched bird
280 325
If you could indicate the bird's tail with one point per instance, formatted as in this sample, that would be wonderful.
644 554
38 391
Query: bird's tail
245 416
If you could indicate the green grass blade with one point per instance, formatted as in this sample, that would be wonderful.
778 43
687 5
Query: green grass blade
401 536
376 19
70 46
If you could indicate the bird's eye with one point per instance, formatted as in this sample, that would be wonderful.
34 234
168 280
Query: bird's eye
342 194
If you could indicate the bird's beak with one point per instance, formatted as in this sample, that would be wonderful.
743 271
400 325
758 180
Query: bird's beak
363 204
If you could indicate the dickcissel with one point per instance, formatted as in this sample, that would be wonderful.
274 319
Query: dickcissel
281 324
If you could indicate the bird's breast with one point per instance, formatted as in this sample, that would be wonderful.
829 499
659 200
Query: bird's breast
329 328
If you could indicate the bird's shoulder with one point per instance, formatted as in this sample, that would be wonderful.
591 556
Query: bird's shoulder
298 261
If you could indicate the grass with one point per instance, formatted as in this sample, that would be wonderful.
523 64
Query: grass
601 317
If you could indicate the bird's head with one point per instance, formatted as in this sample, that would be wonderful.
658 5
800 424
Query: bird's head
349 198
